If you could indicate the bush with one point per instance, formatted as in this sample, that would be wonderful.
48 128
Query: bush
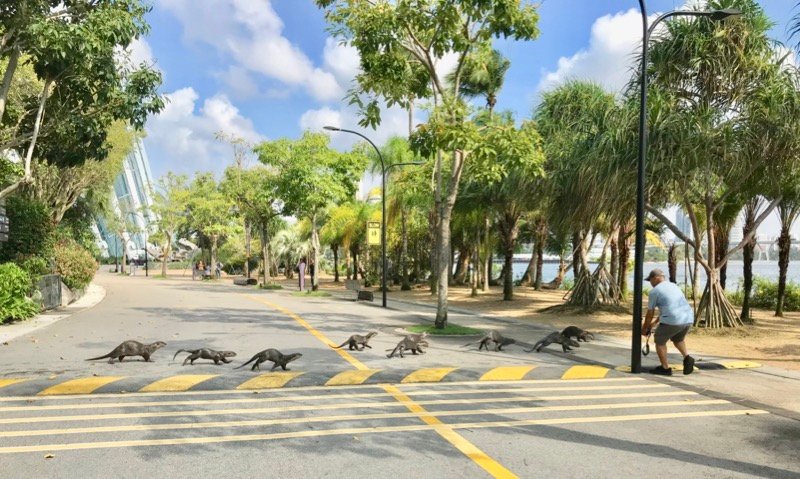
31 232
15 284
765 295
75 265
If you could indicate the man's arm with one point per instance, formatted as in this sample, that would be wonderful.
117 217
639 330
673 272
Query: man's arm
648 322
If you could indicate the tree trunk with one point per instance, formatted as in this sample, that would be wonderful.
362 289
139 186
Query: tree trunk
166 250
246 249
751 211
784 248
722 244
624 256
476 261
509 228
433 217
460 276
672 263
354 254
576 255
214 241
265 254
537 282
11 68
124 251
37 125
530 271
314 253
405 285
615 258
444 263
335 249
487 259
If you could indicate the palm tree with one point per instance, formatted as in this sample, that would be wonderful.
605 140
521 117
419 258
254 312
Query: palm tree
289 246
483 74
788 212
751 211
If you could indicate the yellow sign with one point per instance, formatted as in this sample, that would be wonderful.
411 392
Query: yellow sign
373 233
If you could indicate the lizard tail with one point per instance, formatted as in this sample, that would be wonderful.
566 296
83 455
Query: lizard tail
100 357
179 351
248 362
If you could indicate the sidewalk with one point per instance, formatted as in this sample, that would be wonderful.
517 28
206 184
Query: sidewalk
94 294
747 383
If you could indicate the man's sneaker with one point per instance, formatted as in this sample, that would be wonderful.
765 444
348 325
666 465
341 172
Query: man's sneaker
688 365
662 371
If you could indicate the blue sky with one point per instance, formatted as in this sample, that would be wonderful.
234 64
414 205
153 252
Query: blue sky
263 69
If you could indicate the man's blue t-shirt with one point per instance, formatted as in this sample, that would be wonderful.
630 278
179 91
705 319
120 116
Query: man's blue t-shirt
672 305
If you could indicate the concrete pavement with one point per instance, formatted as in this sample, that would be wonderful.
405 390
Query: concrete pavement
521 426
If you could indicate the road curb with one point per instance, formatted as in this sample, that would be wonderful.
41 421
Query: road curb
244 381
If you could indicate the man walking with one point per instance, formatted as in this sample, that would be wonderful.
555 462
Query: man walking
675 319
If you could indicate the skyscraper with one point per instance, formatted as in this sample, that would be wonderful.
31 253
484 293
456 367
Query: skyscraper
683 223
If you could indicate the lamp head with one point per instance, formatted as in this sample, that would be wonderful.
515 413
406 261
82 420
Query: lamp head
331 128
724 13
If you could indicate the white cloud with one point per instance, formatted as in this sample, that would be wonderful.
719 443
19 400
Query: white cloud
250 32
613 43
341 60
181 137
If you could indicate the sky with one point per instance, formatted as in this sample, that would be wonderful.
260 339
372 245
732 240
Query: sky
266 69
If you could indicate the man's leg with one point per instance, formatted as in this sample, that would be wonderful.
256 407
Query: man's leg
661 349
681 345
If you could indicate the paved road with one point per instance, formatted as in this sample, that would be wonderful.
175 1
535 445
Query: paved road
618 426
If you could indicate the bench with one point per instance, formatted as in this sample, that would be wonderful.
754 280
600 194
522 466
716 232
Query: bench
355 285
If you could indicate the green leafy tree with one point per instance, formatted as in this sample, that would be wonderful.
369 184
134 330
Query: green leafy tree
399 44
73 47
725 109
210 211
170 203
312 176
255 192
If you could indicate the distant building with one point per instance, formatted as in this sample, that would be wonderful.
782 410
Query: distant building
683 223
737 232
132 200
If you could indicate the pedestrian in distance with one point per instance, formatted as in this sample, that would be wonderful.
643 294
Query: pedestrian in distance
218 270
301 272
674 321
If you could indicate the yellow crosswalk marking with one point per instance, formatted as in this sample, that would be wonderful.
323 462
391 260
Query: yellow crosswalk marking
80 385
739 364
430 375
178 383
351 377
507 373
268 381
501 472
354 417
585 372
9 382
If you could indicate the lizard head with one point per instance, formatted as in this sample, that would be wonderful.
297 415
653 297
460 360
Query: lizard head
158 345
228 354
291 357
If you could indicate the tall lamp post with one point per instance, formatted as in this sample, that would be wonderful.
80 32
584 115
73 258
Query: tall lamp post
384 169
638 270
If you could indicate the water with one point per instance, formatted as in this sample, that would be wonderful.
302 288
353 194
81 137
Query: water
764 269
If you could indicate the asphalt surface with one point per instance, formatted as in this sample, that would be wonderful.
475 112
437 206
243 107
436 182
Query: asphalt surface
619 426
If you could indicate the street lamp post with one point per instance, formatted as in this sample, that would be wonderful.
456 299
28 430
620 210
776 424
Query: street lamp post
384 169
638 269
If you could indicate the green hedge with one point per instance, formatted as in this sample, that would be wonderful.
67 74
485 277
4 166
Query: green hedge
765 295
75 265
31 232
15 284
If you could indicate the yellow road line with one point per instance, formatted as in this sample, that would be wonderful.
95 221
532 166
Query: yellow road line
351 417
178 383
267 381
585 372
9 382
470 450
316 407
368 430
351 377
254 399
80 386
229 392
428 375
507 373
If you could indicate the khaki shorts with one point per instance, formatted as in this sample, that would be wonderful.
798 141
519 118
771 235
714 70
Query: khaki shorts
667 332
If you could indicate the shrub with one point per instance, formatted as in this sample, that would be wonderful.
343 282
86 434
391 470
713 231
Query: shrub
15 284
31 231
765 295
75 265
